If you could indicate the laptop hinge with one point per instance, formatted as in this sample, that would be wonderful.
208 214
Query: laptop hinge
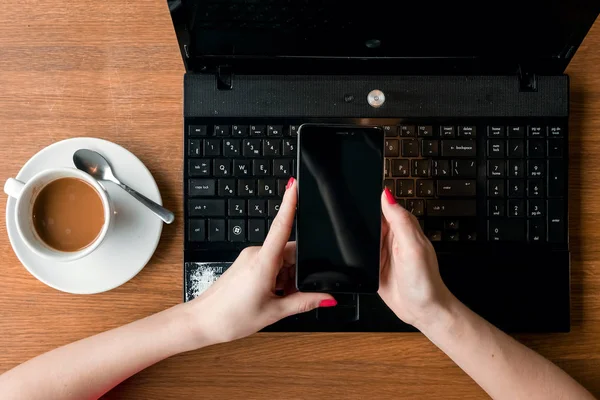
224 77
527 80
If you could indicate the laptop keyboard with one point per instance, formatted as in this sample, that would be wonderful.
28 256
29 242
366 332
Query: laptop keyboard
465 182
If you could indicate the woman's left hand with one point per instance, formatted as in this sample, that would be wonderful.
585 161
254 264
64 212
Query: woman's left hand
243 300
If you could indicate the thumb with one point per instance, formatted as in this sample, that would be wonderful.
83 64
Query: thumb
301 302
400 220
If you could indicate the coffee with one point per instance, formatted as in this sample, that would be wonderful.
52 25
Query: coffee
68 214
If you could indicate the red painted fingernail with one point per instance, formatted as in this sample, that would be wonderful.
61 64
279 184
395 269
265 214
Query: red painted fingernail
290 183
328 303
389 196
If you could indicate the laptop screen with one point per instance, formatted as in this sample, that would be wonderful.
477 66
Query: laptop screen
385 29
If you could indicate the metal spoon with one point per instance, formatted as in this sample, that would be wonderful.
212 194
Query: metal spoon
98 167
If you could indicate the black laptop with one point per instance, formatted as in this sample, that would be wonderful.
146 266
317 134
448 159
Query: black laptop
476 119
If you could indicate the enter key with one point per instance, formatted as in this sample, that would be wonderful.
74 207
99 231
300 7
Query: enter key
451 188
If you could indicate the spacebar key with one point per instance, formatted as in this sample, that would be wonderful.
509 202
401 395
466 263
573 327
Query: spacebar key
451 208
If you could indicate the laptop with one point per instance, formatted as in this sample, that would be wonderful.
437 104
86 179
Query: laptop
475 106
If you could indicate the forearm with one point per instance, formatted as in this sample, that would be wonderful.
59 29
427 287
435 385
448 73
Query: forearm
90 367
503 367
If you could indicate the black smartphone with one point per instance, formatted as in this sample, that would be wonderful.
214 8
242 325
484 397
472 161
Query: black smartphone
338 227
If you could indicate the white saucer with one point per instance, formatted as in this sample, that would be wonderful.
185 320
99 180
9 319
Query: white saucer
127 247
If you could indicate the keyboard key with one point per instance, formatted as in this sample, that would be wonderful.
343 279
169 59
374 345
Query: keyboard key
535 188
251 147
468 132
430 148
197 130
555 131
410 148
495 188
226 187
239 130
202 187
535 168
495 131
216 230
536 131
496 168
506 230
409 131
441 168
416 207
557 223
274 207
293 130
496 148
469 236
194 148
516 208
261 168
266 187
257 130
222 168
451 224
405 188
274 130
556 178
399 167
197 230
281 168
389 184
424 131
237 207
231 147
555 148
425 188
222 130
206 208
271 147
199 167
390 131
386 168
212 147
246 187
536 148
447 132
516 168
536 208
516 132
516 188
241 167
451 236
496 208
515 148
237 230
256 230
256 208
459 148
281 186
451 208
392 148
536 230
421 168
434 236
289 148
464 168
463 188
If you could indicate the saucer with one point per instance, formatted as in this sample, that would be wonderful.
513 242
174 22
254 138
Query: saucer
132 238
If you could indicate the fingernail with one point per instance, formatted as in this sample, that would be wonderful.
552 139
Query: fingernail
328 303
290 183
389 196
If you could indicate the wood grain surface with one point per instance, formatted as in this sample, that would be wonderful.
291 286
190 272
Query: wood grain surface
112 69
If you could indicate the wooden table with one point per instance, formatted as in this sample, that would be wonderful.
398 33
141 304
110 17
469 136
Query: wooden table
112 69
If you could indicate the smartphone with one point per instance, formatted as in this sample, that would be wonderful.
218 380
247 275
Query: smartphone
338 227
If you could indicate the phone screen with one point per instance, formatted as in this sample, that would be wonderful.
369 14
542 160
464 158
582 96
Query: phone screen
340 179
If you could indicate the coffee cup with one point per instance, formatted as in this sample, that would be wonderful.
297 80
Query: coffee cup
58 215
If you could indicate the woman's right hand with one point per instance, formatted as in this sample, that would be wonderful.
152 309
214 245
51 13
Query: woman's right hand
410 281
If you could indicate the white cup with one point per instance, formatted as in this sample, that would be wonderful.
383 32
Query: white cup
26 192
